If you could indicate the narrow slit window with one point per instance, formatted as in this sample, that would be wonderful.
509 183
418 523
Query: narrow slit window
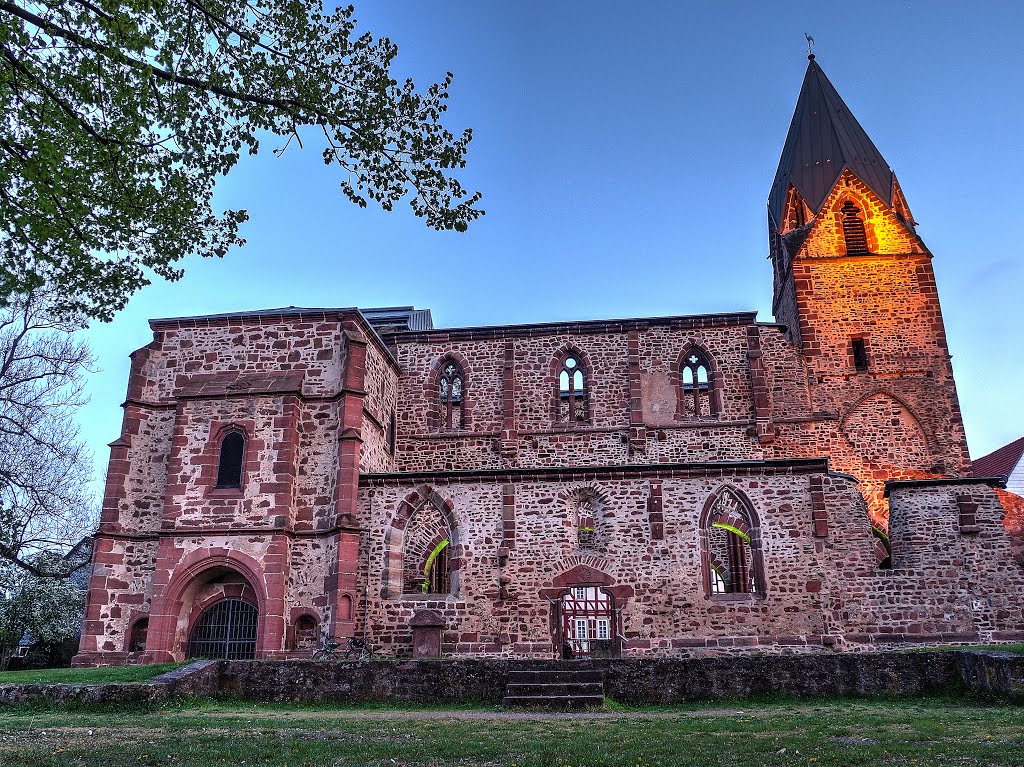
232 455
853 229
860 354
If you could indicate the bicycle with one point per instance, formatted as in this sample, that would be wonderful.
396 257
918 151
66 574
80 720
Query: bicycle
347 648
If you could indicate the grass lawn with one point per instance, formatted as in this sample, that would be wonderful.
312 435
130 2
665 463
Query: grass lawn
87 675
822 733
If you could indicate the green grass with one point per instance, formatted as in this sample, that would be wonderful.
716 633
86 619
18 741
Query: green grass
87 675
1016 649
815 733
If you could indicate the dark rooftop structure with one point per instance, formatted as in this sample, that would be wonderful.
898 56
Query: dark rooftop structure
824 139
390 319
386 319
1001 462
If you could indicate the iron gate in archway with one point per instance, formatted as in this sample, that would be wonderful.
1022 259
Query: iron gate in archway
226 630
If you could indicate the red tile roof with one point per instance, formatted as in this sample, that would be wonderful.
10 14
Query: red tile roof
1000 462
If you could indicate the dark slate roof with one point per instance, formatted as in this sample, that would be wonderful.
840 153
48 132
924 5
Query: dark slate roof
824 139
1001 462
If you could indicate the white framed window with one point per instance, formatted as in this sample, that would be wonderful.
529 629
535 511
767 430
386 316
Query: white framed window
581 628
602 628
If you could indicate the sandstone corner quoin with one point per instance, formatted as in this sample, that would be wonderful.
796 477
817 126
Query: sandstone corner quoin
644 487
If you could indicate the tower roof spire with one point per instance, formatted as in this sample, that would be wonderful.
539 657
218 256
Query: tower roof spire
824 139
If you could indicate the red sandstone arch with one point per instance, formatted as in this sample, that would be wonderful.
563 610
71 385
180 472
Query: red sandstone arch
394 539
181 602
583 571
716 383
298 613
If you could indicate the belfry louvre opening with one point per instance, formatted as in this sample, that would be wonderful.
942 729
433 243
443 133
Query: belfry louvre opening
226 630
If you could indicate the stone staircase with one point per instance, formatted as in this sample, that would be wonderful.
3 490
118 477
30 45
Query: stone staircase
563 685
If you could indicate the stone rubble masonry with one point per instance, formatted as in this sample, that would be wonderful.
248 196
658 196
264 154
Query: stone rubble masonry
345 439
990 675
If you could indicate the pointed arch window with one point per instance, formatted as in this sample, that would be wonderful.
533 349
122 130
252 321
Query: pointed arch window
231 460
732 555
427 552
853 229
696 382
450 388
572 390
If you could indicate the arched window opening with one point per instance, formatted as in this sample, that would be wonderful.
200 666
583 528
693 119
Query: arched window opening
426 556
435 570
718 582
731 549
572 391
226 630
450 395
307 633
137 638
853 229
698 401
232 457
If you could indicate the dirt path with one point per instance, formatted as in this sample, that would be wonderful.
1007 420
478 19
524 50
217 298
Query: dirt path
493 716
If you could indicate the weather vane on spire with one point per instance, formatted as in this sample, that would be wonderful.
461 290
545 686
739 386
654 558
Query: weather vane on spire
810 45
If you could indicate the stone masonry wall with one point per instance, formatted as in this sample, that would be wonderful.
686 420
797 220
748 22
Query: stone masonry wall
528 408
953 577
379 412
501 605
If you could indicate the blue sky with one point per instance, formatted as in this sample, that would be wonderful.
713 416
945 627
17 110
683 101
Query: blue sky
612 135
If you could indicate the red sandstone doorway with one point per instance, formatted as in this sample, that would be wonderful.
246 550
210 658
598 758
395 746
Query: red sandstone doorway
587 621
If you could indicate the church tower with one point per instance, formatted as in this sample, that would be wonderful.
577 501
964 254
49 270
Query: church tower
853 283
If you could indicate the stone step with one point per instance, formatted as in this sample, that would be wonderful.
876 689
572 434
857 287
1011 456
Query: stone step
560 676
586 689
554 701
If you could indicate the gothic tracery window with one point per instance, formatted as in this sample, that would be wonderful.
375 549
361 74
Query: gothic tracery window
572 391
731 551
450 387
426 555
695 372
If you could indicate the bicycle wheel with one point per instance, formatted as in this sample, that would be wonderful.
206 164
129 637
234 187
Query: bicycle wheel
365 653
322 655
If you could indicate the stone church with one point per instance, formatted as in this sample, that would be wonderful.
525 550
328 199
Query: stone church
649 486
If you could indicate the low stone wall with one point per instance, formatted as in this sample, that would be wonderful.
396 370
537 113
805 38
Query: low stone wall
412 681
626 680
695 679
200 679
997 674
656 681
